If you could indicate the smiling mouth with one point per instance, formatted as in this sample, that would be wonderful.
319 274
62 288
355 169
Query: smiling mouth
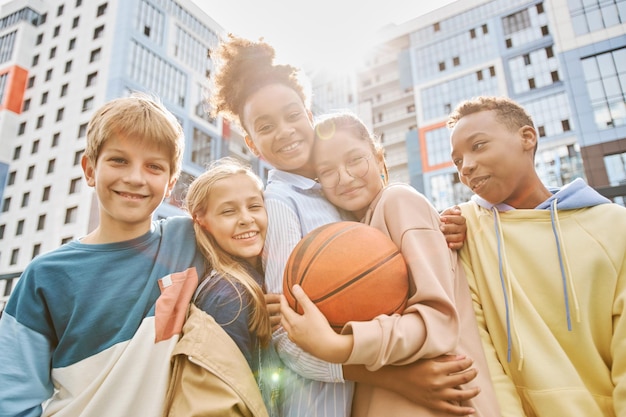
350 191
477 182
130 196
289 147
246 235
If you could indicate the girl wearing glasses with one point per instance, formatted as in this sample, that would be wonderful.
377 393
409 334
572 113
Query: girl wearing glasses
439 318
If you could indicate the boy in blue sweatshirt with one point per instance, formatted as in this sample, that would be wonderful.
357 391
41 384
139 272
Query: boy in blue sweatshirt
90 326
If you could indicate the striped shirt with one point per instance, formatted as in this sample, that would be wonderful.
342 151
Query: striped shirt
295 206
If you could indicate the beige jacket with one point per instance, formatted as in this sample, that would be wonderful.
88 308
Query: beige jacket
210 376
439 317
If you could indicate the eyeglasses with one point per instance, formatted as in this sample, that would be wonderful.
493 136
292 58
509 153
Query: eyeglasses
355 167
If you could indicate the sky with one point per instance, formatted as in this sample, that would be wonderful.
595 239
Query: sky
328 33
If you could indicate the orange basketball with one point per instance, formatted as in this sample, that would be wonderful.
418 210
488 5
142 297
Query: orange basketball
351 271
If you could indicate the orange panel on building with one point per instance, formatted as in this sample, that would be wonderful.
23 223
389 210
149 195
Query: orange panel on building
426 166
15 89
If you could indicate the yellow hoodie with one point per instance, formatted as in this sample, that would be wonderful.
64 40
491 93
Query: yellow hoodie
549 290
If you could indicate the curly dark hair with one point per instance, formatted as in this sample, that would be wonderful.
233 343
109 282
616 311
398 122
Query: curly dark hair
244 67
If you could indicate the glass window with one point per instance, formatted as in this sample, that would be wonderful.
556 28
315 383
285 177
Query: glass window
616 168
98 32
605 77
70 215
95 55
51 164
75 185
41 222
88 104
6 204
592 15
15 253
19 229
45 195
101 9
516 22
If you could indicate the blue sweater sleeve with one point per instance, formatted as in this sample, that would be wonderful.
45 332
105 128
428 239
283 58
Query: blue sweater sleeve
230 306
25 381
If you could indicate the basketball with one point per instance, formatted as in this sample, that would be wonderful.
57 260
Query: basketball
351 271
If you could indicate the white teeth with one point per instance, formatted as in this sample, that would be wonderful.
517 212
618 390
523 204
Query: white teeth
290 147
132 196
478 183
246 235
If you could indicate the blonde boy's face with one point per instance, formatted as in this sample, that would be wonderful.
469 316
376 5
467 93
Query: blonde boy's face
236 217
280 128
131 179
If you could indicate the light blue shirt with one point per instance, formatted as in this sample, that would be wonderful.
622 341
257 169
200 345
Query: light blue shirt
295 206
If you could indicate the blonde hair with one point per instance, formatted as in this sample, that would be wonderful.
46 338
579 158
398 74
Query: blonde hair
142 118
329 124
244 67
227 265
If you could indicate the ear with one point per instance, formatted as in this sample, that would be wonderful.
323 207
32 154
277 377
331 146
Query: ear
382 166
170 186
251 146
201 222
528 135
89 170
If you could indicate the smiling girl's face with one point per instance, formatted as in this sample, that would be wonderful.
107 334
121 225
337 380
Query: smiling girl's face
355 167
236 217
280 129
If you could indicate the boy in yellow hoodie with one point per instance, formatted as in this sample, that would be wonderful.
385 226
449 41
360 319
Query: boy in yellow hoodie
547 271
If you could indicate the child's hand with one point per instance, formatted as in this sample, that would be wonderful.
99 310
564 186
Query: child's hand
311 330
453 227
436 383
272 302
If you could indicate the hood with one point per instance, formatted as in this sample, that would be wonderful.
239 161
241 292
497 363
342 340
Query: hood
577 194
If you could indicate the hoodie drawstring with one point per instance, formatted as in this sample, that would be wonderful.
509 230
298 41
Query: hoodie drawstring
566 273
507 292
505 280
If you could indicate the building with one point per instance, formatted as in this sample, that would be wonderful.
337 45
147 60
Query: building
565 61
331 91
59 61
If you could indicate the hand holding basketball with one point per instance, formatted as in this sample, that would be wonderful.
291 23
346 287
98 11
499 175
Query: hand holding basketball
311 330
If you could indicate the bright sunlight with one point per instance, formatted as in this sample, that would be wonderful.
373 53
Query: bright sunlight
326 35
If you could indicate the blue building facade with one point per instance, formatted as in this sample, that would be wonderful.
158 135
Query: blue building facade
564 60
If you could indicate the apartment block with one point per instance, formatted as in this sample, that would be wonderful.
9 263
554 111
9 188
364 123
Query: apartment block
564 60
59 61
